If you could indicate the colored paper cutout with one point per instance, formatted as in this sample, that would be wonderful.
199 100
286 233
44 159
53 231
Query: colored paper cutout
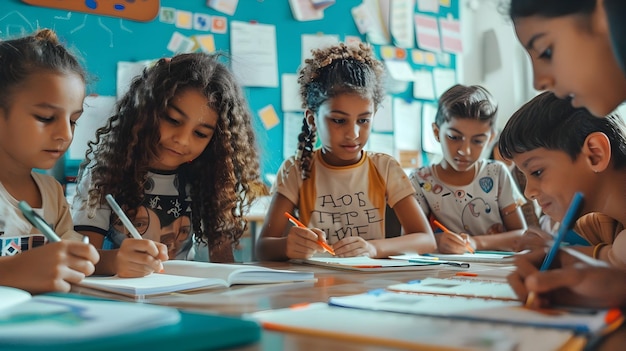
143 10
268 117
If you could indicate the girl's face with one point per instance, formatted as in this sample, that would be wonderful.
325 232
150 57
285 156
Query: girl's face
463 141
186 129
38 126
344 125
549 179
572 57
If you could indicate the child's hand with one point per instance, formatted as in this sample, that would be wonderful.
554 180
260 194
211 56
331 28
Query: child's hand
352 246
533 238
452 243
140 257
576 280
51 267
302 242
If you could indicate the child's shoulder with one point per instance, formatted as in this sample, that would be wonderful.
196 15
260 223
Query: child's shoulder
45 181
380 157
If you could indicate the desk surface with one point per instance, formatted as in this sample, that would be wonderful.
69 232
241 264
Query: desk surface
240 299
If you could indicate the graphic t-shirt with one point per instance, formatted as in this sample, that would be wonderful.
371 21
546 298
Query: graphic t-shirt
164 215
345 201
474 208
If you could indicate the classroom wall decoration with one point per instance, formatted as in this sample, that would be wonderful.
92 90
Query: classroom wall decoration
138 10
265 43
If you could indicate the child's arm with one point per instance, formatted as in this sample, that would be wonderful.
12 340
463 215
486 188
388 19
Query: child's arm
515 225
134 258
419 236
297 243
51 267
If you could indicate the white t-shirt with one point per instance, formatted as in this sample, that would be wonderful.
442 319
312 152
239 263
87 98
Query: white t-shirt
472 208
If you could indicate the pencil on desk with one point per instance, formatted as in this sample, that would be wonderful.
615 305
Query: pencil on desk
442 227
297 223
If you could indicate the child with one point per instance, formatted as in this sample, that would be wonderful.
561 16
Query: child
570 49
179 157
551 141
476 199
530 209
591 40
42 88
341 191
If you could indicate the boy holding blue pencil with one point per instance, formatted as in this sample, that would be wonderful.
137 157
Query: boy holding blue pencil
561 150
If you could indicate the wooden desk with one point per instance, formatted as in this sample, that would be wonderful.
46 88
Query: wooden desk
239 300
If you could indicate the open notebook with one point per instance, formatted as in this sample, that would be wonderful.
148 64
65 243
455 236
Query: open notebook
409 332
367 264
476 309
70 322
186 275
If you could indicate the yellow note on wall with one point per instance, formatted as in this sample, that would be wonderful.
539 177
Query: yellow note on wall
268 117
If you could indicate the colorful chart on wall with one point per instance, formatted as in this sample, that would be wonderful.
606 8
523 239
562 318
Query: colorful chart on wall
137 10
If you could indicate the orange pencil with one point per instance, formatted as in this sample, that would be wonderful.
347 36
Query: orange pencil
297 223
442 227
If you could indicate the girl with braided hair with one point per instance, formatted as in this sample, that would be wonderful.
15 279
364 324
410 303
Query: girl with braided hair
339 191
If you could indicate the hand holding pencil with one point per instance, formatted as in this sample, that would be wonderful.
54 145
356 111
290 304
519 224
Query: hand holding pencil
451 242
304 245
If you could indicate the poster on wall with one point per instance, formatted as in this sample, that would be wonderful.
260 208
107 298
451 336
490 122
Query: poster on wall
136 10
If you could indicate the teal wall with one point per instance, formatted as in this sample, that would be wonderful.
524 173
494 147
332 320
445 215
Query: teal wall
103 41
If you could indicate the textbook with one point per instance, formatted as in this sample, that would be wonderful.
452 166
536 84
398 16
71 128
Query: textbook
477 309
458 287
182 275
70 322
366 264
408 331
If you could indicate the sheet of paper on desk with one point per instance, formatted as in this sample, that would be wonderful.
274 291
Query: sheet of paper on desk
495 311
406 331
458 287
367 264
480 257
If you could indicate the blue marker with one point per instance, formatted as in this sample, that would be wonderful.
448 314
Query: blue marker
38 222
567 224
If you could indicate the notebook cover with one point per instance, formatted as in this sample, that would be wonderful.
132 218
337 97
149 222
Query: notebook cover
195 331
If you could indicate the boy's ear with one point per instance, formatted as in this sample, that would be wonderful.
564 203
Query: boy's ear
310 117
597 150
436 131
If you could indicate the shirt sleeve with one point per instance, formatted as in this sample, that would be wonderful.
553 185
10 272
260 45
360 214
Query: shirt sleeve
85 218
509 196
416 182
288 181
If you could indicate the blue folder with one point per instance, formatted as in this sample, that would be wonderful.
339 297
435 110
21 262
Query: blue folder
195 331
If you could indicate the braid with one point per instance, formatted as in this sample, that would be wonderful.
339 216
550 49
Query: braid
306 143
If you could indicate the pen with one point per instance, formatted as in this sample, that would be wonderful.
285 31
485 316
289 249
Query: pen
297 223
442 227
38 222
125 220
566 224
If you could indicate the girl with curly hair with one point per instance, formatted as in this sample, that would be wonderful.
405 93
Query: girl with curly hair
179 157
341 191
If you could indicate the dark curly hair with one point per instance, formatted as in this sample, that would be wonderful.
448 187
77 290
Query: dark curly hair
223 180
333 71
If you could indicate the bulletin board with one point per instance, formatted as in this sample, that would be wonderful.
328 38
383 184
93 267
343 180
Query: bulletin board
103 41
